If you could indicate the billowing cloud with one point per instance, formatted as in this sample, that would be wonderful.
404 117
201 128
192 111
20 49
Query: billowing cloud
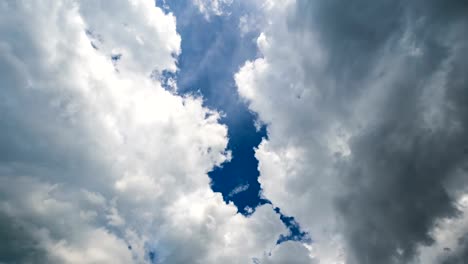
98 162
365 103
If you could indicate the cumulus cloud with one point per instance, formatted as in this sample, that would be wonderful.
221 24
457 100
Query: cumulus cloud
367 122
99 163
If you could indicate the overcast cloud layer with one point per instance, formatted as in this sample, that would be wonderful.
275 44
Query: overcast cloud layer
366 109
365 103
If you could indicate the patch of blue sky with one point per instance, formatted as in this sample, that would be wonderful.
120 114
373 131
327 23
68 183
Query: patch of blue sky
212 52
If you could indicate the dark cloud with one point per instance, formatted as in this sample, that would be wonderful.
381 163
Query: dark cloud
400 163
18 246
355 34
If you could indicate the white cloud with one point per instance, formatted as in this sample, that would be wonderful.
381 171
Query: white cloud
46 227
250 23
99 163
239 189
349 97
289 252
213 7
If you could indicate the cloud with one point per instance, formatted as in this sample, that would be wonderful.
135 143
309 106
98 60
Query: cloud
40 226
99 163
460 255
450 244
212 7
239 189
289 252
367 123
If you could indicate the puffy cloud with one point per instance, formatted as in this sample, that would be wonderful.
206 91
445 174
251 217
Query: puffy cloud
364 102
99 163
39 225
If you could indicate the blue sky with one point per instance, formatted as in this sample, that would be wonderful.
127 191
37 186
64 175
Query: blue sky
218 41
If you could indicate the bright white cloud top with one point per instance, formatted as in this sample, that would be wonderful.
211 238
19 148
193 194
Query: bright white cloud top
102 164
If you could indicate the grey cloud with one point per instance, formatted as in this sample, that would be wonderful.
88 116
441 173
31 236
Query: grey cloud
458 255
392 75
355 35
398 166
18 246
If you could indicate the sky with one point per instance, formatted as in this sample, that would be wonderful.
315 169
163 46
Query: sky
234 131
